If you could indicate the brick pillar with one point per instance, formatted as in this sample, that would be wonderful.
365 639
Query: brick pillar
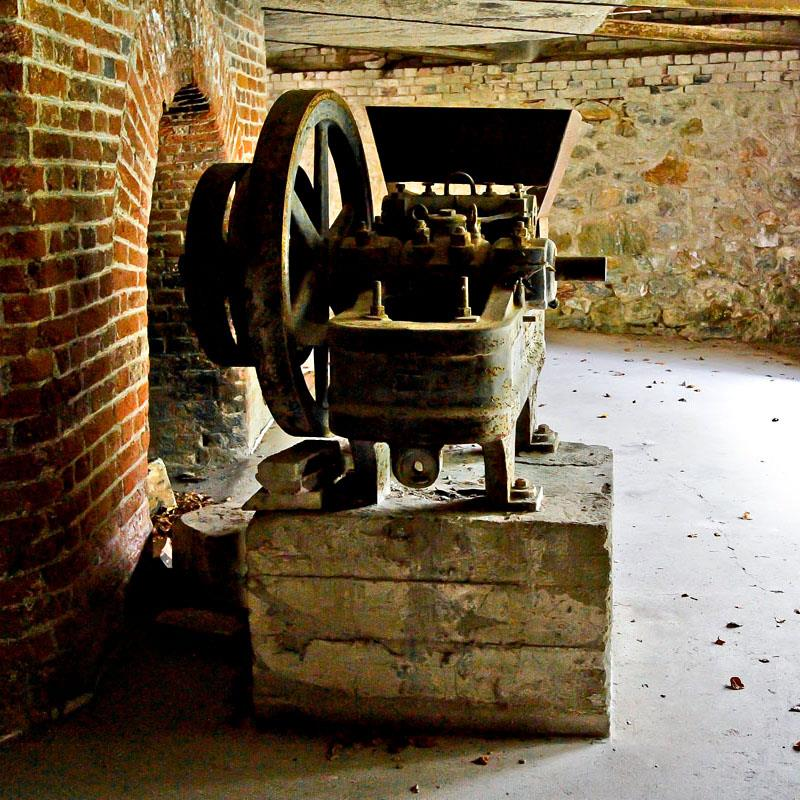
81 94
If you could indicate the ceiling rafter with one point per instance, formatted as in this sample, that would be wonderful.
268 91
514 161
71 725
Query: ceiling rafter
610 29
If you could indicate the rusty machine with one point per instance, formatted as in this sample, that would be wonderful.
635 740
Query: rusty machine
425 324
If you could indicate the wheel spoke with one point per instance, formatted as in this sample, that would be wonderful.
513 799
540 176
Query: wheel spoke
342 222
302 323
304 224
321 174
321 375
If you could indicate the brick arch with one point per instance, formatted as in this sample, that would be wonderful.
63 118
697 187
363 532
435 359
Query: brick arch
199 414
73 351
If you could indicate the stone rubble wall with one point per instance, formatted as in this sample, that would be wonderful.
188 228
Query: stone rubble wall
687 178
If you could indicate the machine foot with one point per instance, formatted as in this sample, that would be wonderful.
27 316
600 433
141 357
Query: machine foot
503 490
543 440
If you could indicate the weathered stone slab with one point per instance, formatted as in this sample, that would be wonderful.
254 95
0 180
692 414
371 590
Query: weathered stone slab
432 610
401 611
158 487
541 690
208 548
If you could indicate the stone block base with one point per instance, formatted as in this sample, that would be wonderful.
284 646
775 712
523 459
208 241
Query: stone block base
432 612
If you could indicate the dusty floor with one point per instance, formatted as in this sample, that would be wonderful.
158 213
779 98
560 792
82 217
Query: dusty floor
689 466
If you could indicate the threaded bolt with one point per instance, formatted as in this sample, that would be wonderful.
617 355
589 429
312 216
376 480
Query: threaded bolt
422 234
464 309
519 232
460 237
362 235
377 310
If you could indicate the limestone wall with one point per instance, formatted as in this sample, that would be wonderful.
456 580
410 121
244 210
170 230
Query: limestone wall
687 178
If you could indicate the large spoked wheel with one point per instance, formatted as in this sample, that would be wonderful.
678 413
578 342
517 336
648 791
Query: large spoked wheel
281 224
211 273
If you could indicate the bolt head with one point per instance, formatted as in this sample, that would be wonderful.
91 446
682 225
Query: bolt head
521 483
460 237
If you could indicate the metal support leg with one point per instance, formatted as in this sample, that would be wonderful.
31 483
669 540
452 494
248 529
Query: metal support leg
530 437
498 460
368 482
503 490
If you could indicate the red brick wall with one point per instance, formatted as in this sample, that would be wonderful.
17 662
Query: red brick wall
200 414
82 87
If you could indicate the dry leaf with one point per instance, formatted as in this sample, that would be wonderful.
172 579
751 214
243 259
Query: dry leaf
735 683
733 625
764 660
795 708
481 761
746 515
796 746
719 641
602 416
779 621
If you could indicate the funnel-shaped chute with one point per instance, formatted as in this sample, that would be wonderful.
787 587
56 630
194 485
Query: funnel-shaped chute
498 145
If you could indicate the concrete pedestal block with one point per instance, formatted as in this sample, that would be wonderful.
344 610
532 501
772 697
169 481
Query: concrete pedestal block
431 611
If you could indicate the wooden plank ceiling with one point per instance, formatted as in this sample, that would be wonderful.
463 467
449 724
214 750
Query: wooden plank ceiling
474 30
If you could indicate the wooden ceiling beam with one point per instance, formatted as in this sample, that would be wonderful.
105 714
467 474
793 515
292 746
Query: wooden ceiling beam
700 34
790 8
472 55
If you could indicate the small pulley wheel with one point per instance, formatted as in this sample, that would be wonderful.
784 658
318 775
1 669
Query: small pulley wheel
280 223
211 272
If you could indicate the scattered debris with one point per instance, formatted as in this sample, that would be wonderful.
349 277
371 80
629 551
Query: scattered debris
691 535
606 395
779 621
166 553
719 641
796 746
602 416
776 419
414 789
521 761
746 515
733 625
189 477
735 683
681 399
795 708
764 660
481 761
185 502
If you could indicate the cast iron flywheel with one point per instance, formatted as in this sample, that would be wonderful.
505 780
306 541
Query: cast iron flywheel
268 281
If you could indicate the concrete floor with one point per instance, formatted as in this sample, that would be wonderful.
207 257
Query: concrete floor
689 464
